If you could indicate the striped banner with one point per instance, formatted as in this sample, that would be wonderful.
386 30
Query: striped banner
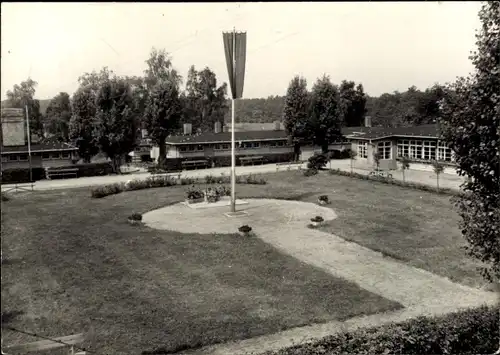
235 47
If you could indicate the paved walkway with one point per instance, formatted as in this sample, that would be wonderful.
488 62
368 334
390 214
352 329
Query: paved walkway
446 180
283 224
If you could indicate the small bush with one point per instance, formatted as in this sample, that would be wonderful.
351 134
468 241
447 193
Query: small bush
135 217
252 180
473 331
188 181
245 229
210 179
194 193
310 172
324 198
317 161
317 219
5 198
103 191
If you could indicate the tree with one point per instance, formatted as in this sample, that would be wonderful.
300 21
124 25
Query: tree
325 119
471 126
115 127
352 103
296 112
405 165
22 96
159 68
352 157
81 125
376 159
58 115
205 102
163 113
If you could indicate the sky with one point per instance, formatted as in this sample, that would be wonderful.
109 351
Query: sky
385 46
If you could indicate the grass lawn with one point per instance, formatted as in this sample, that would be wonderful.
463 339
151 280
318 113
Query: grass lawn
73 264
420 228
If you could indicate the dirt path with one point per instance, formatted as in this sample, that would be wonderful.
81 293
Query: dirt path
283 224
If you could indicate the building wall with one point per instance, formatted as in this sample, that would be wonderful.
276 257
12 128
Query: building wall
13 127
173 152
36 162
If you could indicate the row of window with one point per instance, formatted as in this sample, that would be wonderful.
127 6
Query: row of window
413 149
45 156
226 146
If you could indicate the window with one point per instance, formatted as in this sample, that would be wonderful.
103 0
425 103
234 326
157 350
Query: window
415 149
444 152
255 144
55 156
384 150
65 155
200 148
13 157
363 149
23 157
403 148
226 146
429 152
182 149
5 158
281 144
45 156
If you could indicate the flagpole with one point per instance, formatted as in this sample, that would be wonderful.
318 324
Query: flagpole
233 157
29 141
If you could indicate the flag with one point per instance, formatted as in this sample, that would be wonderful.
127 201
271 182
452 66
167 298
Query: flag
235 48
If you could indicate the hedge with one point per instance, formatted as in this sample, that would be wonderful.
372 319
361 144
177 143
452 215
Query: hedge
384 180
166 181
473 331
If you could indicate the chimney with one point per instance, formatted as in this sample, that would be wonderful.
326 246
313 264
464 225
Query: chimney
187 129
368 121
217 127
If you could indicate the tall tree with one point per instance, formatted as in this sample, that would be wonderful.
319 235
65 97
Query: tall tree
296 111
159 68
352 103
22 95
205 102
81 125
471 126
325 118
163 113
115 126
58 115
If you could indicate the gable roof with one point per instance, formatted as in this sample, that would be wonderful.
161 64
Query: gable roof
224 137
45 146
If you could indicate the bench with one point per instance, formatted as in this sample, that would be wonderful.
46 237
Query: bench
257 159
194 163
289 165
381 173
49 173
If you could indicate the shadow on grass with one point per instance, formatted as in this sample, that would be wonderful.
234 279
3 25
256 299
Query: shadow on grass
9 316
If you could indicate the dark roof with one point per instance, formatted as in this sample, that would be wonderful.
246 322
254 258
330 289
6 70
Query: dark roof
430 130
39 147
226 137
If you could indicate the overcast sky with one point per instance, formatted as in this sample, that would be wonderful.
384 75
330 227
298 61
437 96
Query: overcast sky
385 46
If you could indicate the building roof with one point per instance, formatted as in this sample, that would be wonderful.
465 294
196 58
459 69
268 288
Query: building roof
224 137
373 133
427 131
45 146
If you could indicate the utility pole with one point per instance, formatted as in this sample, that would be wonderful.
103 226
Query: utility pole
233 153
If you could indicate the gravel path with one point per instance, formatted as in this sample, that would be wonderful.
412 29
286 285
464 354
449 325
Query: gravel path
283 224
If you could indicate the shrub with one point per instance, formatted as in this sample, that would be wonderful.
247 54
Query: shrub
106 190
317 161
135 217
210 179
5 198
94 169
252 180
473 331
188 181
317 219
245 229
310 172
193 193
22 175
324 198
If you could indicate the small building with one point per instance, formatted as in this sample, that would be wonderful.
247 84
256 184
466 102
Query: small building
421 144
44 153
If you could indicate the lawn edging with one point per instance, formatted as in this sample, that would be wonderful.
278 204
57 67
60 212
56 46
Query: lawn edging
167 181
471 331
384 180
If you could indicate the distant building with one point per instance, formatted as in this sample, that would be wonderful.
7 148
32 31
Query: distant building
44 153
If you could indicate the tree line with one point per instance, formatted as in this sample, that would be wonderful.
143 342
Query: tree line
107 112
